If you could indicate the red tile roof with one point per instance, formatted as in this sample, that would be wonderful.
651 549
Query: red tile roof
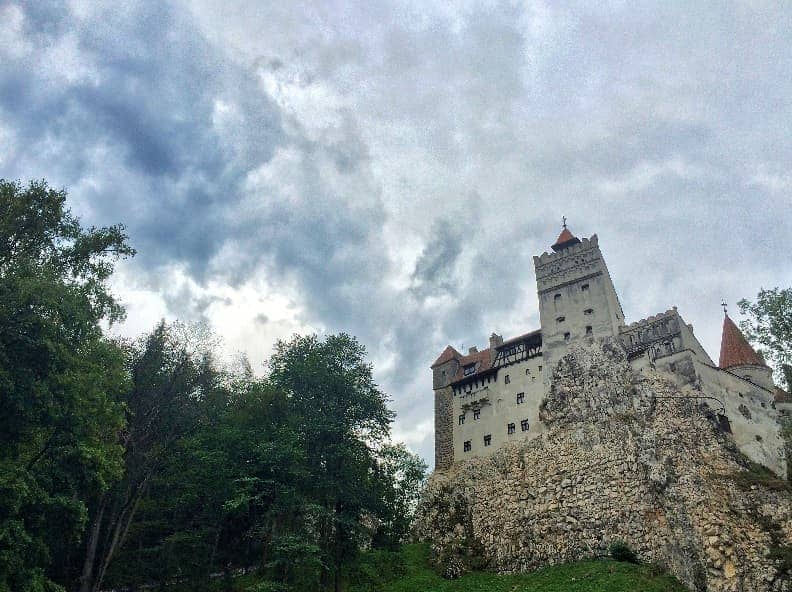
481 359
564 240
564 237
781 396
449 353
735 349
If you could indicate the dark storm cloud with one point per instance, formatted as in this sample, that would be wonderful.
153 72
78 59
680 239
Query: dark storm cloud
398 164
434 270
149 99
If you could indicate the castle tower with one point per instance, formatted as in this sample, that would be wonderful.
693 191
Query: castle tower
577 299
738 357
444 370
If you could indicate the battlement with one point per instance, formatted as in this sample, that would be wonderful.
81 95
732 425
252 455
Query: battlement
584 245
650 320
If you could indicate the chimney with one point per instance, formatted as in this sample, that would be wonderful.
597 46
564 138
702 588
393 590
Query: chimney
495 340
473 350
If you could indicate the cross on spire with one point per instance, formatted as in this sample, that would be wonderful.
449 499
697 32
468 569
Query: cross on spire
725 306
563 221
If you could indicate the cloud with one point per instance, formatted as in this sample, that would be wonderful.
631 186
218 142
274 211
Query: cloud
389 168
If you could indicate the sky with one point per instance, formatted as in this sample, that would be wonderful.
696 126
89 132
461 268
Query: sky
389 169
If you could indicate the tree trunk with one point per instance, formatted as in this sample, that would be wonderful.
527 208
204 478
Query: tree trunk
120 531
90 552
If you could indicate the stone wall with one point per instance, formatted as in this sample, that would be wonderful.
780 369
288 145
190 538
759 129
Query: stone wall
444 428
624 458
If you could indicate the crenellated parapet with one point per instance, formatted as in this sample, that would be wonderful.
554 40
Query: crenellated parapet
553 269
660 334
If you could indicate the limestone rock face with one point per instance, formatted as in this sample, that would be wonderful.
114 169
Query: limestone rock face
626 457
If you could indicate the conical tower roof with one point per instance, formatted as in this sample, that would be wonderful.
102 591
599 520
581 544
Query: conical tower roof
735 349
565 239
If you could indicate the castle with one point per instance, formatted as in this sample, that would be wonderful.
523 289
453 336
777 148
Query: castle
484 399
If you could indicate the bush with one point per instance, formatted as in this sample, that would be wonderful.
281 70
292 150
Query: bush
619 551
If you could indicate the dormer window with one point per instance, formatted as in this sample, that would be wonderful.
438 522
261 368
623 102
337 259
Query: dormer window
470 369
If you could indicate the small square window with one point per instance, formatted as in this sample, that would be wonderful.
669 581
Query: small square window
584 288
470 369
524 425
506 380
567 336
461 419
476 414
589 330
510 428
467 446
520 398
487 439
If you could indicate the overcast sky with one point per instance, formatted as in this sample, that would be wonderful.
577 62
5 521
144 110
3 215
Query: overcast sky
389 169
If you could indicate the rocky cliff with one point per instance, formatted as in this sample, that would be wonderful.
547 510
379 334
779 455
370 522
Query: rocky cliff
626 457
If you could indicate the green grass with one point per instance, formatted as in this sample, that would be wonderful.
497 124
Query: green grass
584 576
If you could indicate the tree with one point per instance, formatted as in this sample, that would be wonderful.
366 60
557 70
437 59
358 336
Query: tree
171 372
769 324
343 419
403 477
60 380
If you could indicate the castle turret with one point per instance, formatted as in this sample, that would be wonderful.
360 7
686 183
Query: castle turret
444 369
738 357
577 299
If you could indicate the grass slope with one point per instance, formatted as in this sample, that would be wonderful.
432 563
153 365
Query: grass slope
584 576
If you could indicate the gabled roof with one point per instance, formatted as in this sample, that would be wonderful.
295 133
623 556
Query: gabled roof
735 349
564 240
449 353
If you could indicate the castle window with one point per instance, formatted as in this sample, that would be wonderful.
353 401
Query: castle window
588 311
506 379
467 446
462 419
556 301
510 428
567 336
487 439
520 398
524 425
527 371
589 330
540 368
560 319
584 288
470 369
476 414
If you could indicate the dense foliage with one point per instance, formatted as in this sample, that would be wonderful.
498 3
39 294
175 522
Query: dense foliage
769 325
147 462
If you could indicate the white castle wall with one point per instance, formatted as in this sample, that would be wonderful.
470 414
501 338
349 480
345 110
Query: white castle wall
498 403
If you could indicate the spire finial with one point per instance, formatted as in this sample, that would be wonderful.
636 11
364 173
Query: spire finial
563 221
725 307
